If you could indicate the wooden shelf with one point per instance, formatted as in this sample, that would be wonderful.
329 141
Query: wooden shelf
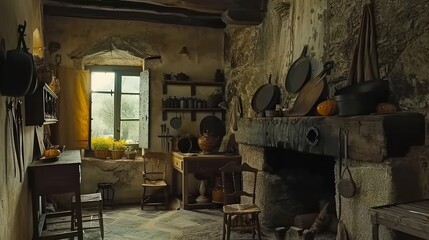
192 84
193 112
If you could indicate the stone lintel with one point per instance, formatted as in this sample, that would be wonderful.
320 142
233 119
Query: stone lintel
371 138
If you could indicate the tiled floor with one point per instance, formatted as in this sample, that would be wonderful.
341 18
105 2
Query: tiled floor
131 223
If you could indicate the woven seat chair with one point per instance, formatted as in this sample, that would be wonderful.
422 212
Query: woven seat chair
154 173
232 177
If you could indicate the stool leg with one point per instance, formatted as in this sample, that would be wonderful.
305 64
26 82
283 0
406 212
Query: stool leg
166 198
143 198
113 197
100 218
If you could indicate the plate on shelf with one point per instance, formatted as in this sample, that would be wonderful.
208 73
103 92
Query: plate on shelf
49 159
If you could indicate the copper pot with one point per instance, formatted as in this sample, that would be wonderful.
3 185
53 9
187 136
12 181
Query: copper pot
208 143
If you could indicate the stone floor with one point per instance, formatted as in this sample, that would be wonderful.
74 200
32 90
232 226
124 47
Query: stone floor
129 222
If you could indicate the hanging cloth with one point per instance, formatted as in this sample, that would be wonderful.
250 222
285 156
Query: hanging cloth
364 66
235 112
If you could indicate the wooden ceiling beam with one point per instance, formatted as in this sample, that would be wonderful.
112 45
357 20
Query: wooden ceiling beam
128 14
115 5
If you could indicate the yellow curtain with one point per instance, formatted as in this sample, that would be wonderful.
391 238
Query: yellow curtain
72 128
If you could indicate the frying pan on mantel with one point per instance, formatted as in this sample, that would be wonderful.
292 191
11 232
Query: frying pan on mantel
299 73
266 97
309 95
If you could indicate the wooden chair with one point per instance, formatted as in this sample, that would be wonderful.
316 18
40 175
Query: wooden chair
89 202
232 178
154 172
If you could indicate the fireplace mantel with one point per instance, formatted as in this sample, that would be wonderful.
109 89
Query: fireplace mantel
371 137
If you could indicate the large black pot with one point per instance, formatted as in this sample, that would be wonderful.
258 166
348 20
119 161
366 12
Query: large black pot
361 98
353 104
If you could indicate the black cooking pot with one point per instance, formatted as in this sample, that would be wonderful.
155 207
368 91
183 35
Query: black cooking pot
361 98
378 88
353 104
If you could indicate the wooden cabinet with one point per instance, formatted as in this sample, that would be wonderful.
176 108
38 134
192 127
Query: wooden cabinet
41 107
193 85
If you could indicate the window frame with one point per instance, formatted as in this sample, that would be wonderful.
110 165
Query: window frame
119 72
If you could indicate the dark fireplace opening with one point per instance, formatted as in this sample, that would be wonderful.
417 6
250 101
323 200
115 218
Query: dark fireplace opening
296 184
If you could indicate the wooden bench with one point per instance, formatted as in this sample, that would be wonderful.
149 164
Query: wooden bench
411 218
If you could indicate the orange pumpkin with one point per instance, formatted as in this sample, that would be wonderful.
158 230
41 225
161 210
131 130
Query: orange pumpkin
327 108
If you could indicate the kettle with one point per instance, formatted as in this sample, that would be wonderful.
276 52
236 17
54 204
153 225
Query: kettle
181 77
208 143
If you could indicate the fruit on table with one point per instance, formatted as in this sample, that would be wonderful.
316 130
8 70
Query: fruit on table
51 153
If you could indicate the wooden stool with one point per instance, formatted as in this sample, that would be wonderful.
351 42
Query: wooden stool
108 193
89 201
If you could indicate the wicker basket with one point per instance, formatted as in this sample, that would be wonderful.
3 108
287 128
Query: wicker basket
116 154
101 154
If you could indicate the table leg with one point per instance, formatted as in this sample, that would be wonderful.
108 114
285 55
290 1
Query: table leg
79 215
35 205
185 189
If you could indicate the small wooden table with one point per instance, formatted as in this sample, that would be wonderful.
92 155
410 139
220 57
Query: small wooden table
411 218
198 163
61 176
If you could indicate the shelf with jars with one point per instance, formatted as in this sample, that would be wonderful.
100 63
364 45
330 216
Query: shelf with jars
189 104
192 84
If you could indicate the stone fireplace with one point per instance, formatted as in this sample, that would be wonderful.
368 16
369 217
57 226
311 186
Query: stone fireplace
299 157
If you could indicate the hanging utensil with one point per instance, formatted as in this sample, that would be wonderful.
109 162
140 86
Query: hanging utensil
346 186
20 139
176 122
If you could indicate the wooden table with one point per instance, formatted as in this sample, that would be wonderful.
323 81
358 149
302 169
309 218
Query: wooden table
62 176
197 163
411 218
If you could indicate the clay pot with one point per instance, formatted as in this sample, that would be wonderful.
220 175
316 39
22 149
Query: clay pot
208 143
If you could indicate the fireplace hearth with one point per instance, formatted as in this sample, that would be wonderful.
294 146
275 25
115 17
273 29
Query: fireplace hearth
296 184
299 158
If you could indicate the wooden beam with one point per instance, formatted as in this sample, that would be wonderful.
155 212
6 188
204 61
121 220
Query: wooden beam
114 5
207 6
103 13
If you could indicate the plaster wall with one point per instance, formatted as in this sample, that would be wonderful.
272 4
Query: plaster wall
205 46
15 202
126 176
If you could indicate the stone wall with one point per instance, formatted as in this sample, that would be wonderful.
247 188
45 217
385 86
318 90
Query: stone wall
330 29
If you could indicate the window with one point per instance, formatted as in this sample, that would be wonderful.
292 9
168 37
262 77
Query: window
116 103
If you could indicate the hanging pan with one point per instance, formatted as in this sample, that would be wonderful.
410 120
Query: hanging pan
299 73
266 97
17 69
311 93
176 122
